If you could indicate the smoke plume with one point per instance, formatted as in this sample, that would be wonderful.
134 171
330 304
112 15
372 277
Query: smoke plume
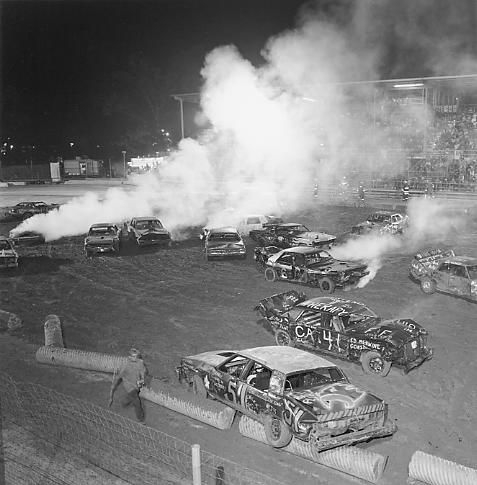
272 130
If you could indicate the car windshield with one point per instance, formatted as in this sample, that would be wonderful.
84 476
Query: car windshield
315 258
379 218
298 228
299 381
350 321
5 245
472 272
224 236
152 224
102 231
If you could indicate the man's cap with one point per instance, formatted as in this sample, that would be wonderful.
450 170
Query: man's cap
133 352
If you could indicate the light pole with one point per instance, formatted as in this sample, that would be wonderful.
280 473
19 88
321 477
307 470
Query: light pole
124 163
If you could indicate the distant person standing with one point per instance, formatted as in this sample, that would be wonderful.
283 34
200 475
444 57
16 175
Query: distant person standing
132 376
361 196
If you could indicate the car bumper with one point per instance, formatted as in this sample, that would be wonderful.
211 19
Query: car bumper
387 429
153 242
10 264
225 254
417 362
100 249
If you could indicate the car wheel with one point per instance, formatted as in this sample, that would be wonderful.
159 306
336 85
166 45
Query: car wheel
278 434
305 278
327 285
260 265
283 338
89 254
271 274
198 387
373 363
428 286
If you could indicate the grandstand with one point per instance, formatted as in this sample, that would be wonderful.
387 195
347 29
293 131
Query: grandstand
420 129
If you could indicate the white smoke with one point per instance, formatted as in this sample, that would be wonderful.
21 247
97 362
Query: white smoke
269 125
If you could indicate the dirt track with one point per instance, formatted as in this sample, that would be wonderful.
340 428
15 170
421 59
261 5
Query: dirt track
172 302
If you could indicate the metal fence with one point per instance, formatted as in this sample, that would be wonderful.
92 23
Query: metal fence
42 428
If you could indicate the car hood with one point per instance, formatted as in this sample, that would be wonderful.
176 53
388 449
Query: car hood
334 397
315 236
99 239
225 245
397 331
338 266
143 232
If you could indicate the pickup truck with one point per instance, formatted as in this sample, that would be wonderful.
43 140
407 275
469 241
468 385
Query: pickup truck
441 270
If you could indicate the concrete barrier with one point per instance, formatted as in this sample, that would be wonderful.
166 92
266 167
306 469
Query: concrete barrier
53 332
347 459
9 321
432 470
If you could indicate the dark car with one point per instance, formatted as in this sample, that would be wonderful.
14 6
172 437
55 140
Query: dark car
289 234
8 255
441 270
148 231
310 266
27 238
346 329
223 242
25 210
102 238
291 392
382 222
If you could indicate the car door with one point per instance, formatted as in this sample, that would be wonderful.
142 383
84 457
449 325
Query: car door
459 282
308 330
441 277
226 382
284 266
257 384
330 334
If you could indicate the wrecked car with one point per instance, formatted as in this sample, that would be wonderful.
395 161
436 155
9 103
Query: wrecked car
148 231
27 238
223 242
291 392
382 222
290 234
345 329
256 222
310 266
25 210
8 255
102 238
441 270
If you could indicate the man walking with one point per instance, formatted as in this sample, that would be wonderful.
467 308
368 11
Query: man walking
132 376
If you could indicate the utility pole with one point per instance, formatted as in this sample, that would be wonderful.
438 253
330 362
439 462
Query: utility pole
124 163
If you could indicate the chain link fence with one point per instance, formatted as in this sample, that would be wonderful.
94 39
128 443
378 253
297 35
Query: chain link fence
51 438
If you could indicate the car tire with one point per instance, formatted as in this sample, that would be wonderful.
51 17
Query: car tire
305 278
373 363
89 254
271 274
428 286
283 339
278 434
327 285
198 387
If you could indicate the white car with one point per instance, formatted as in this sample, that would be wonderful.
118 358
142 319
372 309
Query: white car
254 222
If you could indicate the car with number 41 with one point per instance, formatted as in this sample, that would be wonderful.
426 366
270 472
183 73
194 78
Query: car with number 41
345 329
293 393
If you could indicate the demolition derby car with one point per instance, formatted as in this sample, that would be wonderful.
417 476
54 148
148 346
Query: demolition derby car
27 238
289 234
148 231
8 255
441 270
222 242
382 222
345 329
291 392
309 266
102 238
25 210
256 222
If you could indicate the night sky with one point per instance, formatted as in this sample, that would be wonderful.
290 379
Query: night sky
103 72
63 62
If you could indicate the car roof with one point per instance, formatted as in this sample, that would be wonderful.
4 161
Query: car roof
223 229
285 359
289 224
102 224
303 250
462 260
145 218
335 306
